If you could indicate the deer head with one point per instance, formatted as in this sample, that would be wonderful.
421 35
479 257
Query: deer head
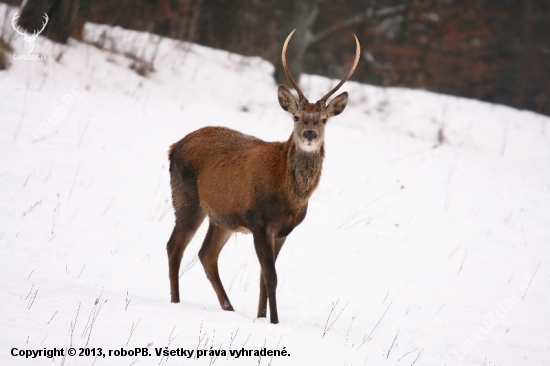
310 118
29 40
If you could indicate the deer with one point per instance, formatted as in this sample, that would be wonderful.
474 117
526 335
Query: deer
29 40
247 185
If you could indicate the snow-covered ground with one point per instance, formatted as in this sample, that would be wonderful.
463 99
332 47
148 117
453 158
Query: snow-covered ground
426 243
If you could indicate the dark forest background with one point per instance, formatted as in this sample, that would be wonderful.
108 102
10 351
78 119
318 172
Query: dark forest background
493 50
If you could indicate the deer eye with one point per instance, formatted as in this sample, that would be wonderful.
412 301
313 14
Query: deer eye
324 120
296 118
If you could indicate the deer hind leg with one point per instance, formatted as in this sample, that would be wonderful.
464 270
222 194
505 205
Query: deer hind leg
216 237
189 216
183 232
262 304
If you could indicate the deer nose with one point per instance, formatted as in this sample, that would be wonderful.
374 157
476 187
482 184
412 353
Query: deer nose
310 135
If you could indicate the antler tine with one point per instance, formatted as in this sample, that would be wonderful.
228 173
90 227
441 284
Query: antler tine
357 55
16 27
285 66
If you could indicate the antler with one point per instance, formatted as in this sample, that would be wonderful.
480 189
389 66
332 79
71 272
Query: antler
16 27
285 66
357 55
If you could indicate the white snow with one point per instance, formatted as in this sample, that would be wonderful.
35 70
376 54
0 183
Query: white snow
413 251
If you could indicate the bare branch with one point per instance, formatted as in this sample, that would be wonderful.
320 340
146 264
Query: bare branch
357 19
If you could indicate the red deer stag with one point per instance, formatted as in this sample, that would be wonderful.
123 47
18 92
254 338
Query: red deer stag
244 184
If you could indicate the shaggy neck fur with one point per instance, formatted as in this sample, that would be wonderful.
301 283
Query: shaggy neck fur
304 170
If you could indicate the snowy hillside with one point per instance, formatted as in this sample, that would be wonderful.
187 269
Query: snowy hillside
426 243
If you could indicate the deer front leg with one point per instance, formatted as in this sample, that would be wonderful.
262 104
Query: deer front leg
263 246
262 303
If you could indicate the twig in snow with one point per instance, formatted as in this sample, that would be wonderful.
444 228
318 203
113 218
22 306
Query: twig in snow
22 116
276 348
31 300
30 291
26 180
83 132
387 293
239 270
528 286
32 207
417 357
71 333
213 359
98 305
368 338
52 317
213 336
127 301
74 213
392 343
247 338
74 182
73 325
189 265
462 264
347 334
132 331
49 173
329 314
54 212
338 316
232 338
448 184
108 206
454 251
398 292
201 337
260 357
408 353
81 271
170 340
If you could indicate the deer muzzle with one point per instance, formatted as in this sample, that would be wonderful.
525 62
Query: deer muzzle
310 135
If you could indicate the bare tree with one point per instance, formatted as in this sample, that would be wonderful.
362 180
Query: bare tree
63 14
299 15
32 13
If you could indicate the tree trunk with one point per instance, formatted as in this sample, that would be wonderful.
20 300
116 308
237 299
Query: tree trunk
62 17
298 14
61 13
32 14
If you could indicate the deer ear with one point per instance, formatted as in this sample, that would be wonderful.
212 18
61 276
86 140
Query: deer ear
337 105
286 100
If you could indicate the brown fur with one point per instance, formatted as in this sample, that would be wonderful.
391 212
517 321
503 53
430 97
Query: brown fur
233 173
242 184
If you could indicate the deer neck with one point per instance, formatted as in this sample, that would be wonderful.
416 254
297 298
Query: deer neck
303 170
